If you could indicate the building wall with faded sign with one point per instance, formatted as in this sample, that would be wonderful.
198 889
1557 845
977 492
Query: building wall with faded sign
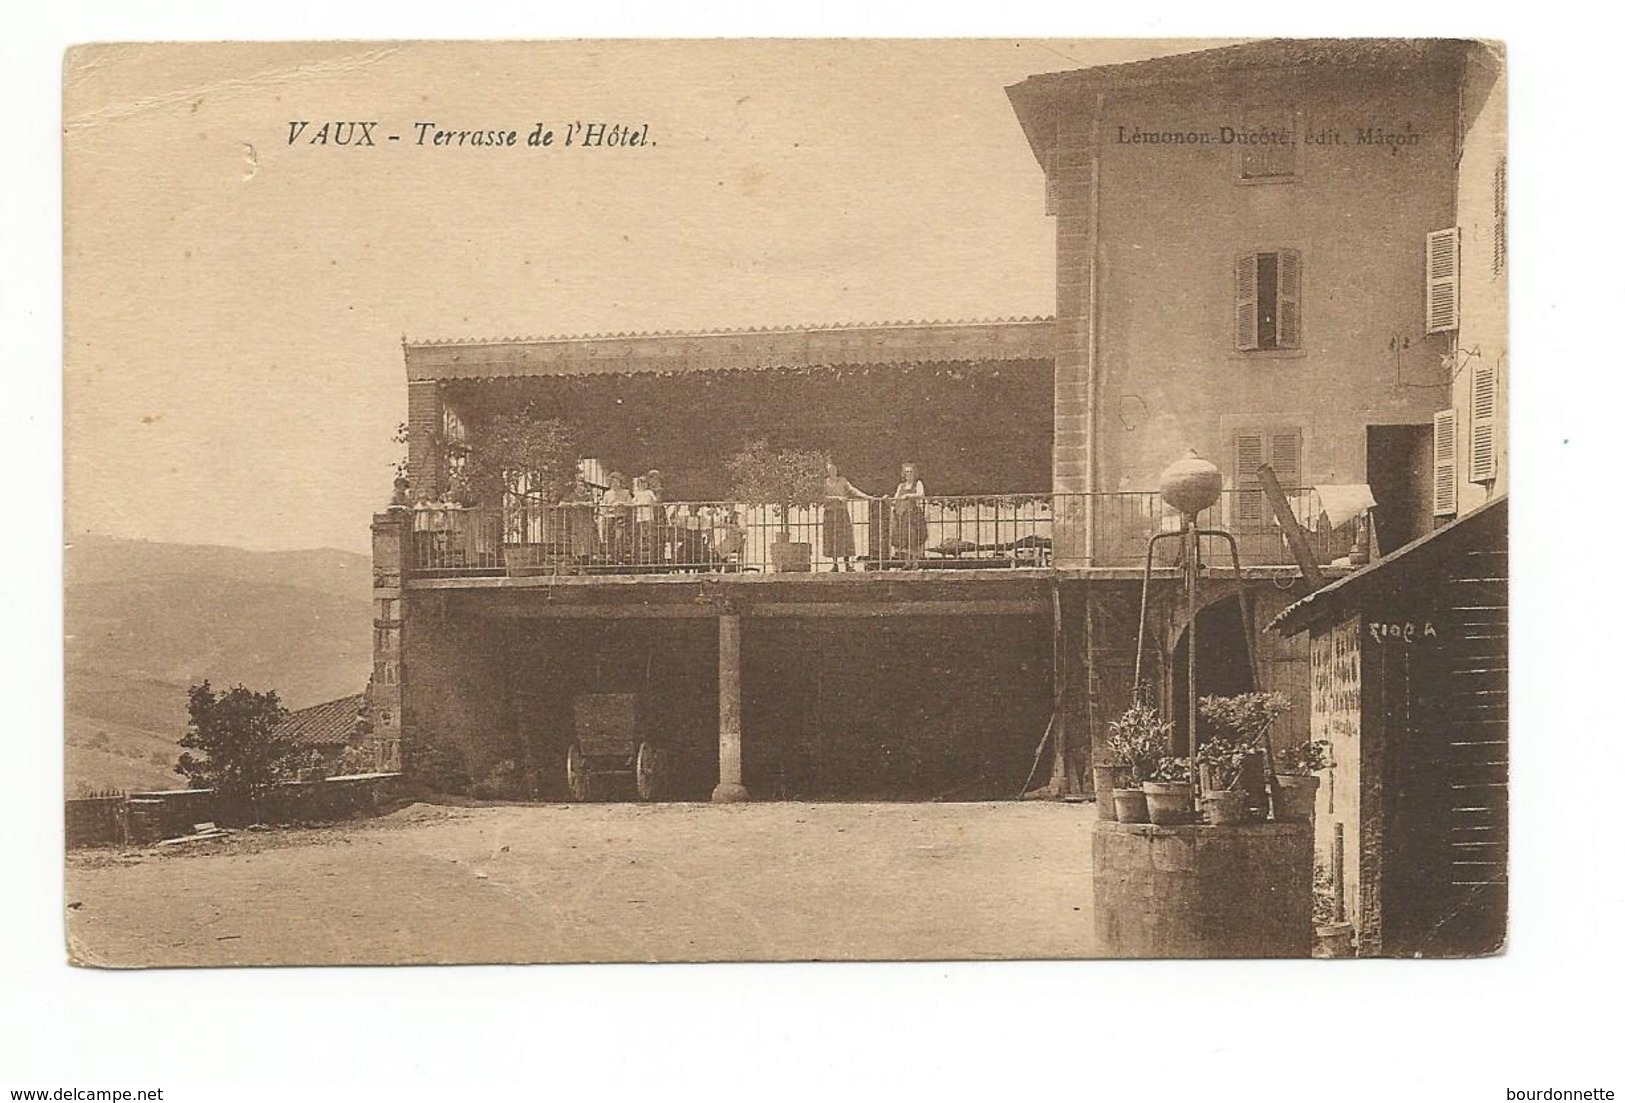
1334 715
1172 219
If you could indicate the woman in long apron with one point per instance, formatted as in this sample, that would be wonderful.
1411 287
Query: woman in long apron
839 546
909 529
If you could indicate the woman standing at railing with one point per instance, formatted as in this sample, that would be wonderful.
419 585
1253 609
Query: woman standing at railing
645 528
581 533
838 544
909 525
616 511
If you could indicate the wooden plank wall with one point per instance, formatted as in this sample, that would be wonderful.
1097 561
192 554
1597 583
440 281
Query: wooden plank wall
1442 700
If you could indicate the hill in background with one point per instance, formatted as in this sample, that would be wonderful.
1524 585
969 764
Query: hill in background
144 620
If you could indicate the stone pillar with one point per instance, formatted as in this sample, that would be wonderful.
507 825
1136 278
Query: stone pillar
730 784
1072 187
391 550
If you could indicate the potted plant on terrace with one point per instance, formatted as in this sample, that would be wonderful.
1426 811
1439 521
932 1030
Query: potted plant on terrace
1136 742
1168 791
528 463
1295 780
784 478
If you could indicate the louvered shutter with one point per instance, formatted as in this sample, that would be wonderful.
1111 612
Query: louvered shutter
1444 280
1481 443
1288 275
1444 463
1249 502
1247 301
1285 459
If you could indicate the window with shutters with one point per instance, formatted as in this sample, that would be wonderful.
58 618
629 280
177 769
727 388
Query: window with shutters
1268 300
1443 280
1267 146
1444 463
1280 446
1498 261
1481 440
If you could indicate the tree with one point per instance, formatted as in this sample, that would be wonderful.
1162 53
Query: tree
525 455
782 478
236 731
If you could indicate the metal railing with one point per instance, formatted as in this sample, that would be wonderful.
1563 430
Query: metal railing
939 533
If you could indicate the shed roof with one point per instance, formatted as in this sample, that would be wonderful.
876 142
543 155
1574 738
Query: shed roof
322 725
1353 588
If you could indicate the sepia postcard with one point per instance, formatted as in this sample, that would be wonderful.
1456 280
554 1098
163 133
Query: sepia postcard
785 500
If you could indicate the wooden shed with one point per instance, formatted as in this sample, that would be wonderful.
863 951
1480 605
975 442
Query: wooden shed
1408 681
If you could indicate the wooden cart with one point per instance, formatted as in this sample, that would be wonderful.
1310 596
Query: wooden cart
610 742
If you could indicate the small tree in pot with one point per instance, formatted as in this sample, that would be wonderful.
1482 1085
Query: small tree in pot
784 478
528 463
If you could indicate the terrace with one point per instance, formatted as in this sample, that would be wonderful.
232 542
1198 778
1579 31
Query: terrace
1021 532
969 403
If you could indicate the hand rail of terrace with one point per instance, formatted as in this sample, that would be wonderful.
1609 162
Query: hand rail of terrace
1011 531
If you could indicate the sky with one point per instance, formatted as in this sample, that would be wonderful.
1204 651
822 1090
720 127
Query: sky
235 304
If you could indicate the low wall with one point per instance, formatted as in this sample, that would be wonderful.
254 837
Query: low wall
1201 891
142 818
170 812
333 798
94 821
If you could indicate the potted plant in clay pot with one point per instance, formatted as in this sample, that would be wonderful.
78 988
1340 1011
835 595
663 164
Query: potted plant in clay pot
1295 780
1223 760
527 463
784 478
1168 792
1239 733
1136 742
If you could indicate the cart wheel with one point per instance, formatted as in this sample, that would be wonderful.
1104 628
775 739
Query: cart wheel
650 774
575 773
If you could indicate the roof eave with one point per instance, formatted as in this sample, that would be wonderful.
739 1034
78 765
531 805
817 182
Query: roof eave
1032 108
1332 598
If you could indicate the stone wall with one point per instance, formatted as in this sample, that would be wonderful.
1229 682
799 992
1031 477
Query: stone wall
1200 892
93 821
141 818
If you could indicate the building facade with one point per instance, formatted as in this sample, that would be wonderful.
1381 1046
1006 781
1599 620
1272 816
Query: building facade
1267 253
1288 253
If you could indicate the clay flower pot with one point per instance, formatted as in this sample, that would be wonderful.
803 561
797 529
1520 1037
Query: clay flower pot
1225 807
1129 805
1168 802
787 556
1295 798
1108 779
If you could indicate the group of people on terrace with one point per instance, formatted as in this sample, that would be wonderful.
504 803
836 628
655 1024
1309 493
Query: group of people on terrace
629 522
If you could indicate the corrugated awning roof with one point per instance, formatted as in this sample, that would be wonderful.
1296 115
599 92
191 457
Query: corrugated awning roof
999 339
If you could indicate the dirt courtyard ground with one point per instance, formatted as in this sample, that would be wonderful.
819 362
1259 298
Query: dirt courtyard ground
602 882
